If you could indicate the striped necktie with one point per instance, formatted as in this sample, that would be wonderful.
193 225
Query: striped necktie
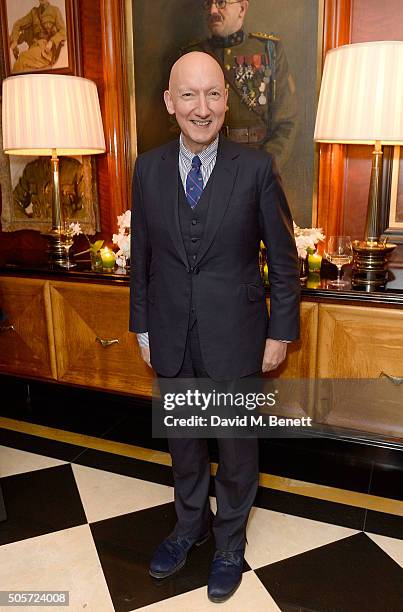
194 182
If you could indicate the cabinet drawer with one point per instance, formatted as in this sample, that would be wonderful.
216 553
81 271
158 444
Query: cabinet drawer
93 344
26 336
359 342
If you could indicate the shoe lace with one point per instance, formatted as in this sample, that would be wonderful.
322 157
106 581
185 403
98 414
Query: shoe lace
228 557
177 546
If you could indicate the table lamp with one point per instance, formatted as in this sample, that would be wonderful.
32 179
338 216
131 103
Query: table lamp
361 102
52 115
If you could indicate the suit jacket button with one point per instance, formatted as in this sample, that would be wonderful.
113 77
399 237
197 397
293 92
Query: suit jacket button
196 270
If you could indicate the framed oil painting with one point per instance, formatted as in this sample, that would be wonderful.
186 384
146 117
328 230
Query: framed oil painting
273 70
40 36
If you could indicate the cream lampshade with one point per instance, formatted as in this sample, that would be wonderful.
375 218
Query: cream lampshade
52 115
361 96
361 102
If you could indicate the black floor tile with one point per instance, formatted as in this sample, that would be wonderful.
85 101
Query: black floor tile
350 575
384 524
39 445
127 466
311 508
40 502
387 481
125 545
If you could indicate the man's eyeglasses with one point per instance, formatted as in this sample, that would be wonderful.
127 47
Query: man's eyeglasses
220 4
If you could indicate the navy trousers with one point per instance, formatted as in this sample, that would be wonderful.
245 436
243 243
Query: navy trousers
236 480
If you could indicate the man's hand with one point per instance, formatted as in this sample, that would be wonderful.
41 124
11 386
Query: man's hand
145 353
274 354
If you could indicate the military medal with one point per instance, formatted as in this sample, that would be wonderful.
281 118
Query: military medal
249 71
239 70
258 84
245 93
262 98
257 61
267 70
251 102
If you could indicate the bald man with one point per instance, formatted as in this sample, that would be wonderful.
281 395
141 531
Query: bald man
201 205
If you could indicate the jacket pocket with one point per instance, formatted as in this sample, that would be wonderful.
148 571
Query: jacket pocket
256 293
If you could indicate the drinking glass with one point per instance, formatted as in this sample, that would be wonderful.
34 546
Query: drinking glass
339 251
66 235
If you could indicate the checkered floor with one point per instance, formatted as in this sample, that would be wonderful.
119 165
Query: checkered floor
87 522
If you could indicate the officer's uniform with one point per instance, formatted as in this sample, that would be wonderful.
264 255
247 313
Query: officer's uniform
34 192
41 25
261 91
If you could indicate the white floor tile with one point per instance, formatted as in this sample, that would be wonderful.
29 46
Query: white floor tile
273 536
105 494
65 560
392 546
13 461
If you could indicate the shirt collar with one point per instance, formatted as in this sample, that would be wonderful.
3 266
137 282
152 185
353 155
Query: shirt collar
206 156
236 38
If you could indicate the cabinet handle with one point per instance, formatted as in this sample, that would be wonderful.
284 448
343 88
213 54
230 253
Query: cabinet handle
106 343
6 328
396 380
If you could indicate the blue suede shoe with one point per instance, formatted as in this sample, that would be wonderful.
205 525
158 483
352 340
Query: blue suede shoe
171 554
225 575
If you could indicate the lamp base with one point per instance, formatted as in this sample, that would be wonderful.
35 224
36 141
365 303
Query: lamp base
56 252
370 267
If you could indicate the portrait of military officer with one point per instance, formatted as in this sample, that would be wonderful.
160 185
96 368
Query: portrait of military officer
262 101
34 191
37 38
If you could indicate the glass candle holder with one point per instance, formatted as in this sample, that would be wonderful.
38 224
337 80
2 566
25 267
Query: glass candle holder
108 259
314 262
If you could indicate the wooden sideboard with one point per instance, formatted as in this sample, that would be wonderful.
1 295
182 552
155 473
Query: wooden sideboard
74 330
71 332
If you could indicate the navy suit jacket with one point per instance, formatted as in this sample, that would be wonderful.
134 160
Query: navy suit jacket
247 204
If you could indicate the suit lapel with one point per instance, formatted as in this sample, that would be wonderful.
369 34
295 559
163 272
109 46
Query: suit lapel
224 176
169 196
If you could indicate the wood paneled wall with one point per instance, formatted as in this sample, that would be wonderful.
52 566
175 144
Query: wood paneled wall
343 173
337 22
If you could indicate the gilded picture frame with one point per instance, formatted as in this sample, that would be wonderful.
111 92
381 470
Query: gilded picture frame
41 36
